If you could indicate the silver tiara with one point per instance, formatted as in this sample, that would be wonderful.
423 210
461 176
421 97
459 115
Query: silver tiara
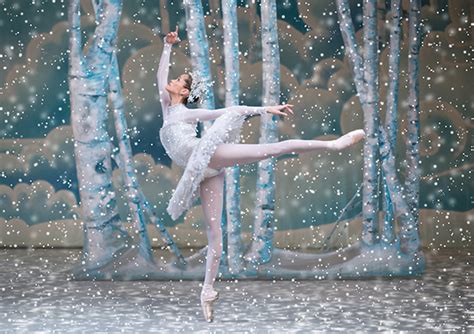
199 87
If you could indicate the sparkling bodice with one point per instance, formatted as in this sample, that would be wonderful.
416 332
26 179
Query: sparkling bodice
177 137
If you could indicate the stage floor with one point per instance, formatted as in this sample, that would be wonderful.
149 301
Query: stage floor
35 298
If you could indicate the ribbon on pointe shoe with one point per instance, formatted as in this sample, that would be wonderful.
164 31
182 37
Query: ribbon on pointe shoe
209 295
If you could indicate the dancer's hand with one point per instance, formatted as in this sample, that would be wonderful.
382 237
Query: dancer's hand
172 37
281 110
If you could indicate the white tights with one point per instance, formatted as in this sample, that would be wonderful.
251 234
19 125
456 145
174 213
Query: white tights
227 155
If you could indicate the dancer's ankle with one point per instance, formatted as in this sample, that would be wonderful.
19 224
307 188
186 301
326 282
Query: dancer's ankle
207 287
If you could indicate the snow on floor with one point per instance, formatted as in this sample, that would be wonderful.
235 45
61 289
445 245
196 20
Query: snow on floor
35 297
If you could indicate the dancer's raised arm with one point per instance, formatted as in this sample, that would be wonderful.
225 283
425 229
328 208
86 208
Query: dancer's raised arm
201 115
163 70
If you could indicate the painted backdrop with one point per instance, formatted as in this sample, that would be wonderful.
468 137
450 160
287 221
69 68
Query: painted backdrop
38 185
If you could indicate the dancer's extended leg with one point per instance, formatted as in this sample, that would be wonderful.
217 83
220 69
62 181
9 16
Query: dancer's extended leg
227 155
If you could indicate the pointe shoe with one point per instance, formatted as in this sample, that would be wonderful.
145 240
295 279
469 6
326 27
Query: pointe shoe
207 304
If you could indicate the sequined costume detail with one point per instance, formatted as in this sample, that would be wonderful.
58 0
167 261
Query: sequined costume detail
193 154
178 136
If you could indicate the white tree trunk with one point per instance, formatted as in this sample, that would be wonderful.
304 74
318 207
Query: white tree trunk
370 102
402 209
262 240
232 177
104 238
409 232
125 155
391 113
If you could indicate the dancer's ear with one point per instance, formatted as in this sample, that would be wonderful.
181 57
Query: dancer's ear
184 92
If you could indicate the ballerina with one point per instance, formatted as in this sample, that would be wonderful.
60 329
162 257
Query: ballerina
204 159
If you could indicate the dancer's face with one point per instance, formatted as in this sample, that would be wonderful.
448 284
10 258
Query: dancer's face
179 86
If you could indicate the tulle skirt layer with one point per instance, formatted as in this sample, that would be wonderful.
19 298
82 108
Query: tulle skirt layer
225 129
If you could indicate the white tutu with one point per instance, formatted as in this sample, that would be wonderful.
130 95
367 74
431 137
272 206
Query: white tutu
194 154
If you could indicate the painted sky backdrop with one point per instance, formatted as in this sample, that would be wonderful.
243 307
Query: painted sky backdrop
37 172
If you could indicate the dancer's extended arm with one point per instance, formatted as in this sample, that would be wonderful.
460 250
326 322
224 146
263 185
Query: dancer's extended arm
201 115
162 77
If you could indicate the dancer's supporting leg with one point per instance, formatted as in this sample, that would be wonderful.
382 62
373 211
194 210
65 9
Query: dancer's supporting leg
227 155
211 201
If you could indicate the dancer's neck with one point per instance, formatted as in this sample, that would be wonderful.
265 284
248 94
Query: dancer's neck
176 100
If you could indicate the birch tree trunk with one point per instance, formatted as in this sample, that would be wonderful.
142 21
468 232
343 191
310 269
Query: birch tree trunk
371 124
391 113
262 240
125 153
232 176
402 210
123 157
409 232
104 238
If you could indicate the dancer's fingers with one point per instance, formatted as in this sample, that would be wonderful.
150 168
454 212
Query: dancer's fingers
177 27
287 107
275 111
